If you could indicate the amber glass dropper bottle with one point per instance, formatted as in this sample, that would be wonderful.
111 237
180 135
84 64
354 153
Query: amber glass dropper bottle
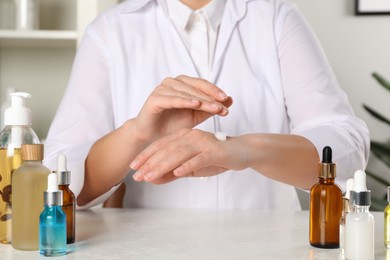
69 199
325 205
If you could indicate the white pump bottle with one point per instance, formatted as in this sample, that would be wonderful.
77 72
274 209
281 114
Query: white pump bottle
17 131
360 222
17 121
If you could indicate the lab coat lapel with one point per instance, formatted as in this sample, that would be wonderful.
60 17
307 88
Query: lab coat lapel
176 41
234 12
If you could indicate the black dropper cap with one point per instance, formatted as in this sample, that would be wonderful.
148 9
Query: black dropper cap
327 169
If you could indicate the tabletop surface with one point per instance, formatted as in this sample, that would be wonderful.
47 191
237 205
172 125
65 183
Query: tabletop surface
194 234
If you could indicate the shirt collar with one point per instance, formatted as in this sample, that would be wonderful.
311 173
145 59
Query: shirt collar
180 13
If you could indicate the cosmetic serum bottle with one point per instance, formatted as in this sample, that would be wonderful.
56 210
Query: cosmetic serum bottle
69 199
360 240
52 221
346 210
387 220
325 205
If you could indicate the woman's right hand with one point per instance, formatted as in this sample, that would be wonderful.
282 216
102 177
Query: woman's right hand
177 103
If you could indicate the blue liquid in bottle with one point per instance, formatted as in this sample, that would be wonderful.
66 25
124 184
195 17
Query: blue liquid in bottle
52 222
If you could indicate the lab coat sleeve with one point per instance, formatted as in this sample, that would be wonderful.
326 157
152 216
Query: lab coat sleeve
85 113
317 107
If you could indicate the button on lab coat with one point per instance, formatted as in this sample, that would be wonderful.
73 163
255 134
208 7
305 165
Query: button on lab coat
266 58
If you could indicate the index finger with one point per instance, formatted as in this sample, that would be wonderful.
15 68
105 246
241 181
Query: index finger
205 86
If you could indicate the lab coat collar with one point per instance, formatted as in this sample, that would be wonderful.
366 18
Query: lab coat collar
130 6
234 11
181 13
133 5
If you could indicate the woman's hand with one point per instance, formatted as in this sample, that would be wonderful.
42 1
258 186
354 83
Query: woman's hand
178 103
188 153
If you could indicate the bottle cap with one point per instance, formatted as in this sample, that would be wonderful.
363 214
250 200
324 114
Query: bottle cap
52 196
347 195
388 194
32 152
349 187
61 171
327 169
346 205
360 196
18 113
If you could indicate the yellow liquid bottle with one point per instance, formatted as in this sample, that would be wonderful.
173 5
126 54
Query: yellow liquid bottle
9 161
387 220
29 182
17 131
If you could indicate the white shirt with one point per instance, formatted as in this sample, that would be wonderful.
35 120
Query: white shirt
198 30
266 57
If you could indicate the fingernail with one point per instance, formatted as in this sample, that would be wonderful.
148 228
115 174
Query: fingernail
134 164
225 111
148 176
216 106
137 176
222 95
177 172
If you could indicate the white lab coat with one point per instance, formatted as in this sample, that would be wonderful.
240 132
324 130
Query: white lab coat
266 58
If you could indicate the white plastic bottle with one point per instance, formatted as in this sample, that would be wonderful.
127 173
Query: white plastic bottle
17 131
360 242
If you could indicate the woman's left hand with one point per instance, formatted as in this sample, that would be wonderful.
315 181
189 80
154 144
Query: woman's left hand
187 153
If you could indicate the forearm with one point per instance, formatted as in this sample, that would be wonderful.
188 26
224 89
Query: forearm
108 161
290 159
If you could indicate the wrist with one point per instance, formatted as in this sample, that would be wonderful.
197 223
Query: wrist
131 134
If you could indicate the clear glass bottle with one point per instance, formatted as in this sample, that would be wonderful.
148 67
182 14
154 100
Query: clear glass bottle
29 182
69 199
52 221
17 131
346 210
387 220
325 205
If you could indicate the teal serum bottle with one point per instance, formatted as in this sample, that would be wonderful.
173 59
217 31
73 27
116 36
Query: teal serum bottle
52 221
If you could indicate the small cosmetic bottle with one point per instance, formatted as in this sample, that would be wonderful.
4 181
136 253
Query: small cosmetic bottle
359 243
346 210
325 205
52 221
69 199
387 220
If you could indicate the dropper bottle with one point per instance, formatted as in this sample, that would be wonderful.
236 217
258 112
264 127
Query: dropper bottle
346 210
387 220
325 205
360 222
52 221
69 199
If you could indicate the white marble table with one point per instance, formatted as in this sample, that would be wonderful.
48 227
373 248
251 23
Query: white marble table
194 234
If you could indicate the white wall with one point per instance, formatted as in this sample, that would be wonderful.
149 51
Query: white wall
356 46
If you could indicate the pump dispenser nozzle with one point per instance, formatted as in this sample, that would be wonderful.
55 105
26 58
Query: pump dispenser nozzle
18 113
